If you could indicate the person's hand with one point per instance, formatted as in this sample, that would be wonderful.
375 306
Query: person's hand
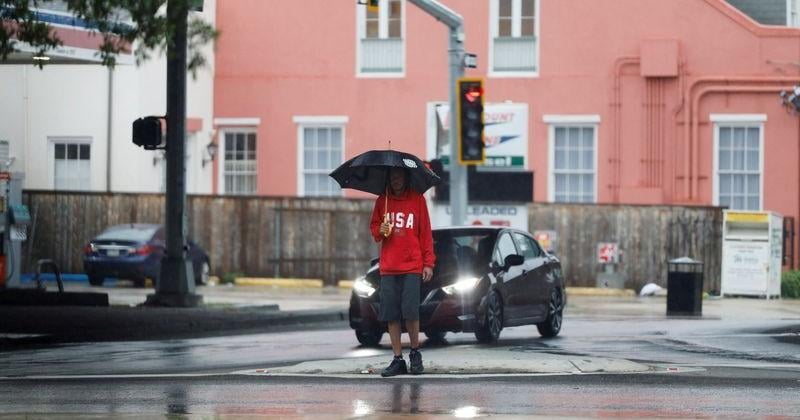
427 274
386 229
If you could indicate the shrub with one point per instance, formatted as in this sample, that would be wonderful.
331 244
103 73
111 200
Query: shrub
230 278
790 284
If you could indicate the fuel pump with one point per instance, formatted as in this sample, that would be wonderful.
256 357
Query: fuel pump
14 221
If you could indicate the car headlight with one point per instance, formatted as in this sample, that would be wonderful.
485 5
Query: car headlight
464 284
362 287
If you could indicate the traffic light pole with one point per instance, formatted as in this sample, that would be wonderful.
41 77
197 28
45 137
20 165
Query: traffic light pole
458 172
175 285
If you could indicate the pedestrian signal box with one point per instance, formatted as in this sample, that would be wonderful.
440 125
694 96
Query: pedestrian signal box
469 116
148 133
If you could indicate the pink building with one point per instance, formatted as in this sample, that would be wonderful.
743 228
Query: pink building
619 101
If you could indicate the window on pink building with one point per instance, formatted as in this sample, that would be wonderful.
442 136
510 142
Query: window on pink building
739 166
573 171
239 162
322 152
381 46
514 37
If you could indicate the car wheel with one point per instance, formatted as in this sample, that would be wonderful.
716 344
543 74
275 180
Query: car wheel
369 338
96 280
205 273
555 315
435 335
489 331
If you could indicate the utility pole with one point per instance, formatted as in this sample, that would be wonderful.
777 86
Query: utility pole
458 172
175 285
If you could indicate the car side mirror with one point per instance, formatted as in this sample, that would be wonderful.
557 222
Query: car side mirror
513 260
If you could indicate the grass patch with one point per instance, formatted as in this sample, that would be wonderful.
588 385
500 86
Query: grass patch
230 278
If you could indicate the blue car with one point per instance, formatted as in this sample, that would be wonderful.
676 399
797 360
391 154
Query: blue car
134 252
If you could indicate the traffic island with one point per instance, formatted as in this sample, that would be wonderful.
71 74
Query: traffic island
468 361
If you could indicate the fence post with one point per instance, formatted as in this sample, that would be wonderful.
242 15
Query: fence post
277 245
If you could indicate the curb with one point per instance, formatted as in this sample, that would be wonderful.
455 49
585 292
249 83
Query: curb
137 323
274 282
599 291
345 284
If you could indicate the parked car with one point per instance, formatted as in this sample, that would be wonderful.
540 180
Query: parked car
485 279
134 252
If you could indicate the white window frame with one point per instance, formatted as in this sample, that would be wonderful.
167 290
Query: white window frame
383 32
738 120
303 122
516 28
792 13
51 157
246 129
580 121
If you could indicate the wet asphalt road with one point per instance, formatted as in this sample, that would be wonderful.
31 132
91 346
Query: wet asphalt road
581 396
749 366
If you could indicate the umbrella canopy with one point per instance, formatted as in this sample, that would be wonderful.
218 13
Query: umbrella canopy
369 171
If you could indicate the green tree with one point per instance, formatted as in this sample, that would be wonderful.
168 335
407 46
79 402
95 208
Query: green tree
121 23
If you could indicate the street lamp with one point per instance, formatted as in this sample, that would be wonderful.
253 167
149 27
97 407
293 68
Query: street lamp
791 100
211 149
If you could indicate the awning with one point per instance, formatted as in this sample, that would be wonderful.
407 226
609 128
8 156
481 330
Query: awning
80 40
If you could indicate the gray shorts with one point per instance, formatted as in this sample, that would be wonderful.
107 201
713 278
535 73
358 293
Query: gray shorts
400 297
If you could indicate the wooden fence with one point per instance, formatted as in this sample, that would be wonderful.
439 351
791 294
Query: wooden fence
256 236
648 236
329 238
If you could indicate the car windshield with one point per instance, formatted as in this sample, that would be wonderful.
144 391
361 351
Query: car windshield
467 249
128 233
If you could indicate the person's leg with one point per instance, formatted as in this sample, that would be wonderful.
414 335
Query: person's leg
395 332
412 327
411 292
390 312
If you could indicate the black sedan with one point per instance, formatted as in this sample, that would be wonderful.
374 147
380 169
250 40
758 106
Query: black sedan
485 278
134 252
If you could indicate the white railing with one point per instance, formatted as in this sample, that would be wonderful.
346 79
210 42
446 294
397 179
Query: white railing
381 55
515 54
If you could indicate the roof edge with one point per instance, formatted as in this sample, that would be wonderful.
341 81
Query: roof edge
749 23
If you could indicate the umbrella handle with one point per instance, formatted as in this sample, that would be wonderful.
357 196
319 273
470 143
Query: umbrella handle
386 209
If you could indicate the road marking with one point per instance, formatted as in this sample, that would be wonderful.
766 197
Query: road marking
125 376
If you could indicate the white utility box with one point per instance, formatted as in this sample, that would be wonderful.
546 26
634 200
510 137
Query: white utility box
752 249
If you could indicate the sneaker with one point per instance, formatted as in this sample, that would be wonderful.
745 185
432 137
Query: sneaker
397 367
415 358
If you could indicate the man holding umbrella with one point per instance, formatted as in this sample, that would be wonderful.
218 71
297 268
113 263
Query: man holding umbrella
401 224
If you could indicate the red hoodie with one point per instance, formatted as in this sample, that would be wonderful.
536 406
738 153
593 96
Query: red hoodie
410 246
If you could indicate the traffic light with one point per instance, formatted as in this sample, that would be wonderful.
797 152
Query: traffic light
372 5
471 148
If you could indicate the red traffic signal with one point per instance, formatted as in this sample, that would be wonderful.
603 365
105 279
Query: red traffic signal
473 93
469 115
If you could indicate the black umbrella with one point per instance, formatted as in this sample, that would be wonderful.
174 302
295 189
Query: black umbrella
369 171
